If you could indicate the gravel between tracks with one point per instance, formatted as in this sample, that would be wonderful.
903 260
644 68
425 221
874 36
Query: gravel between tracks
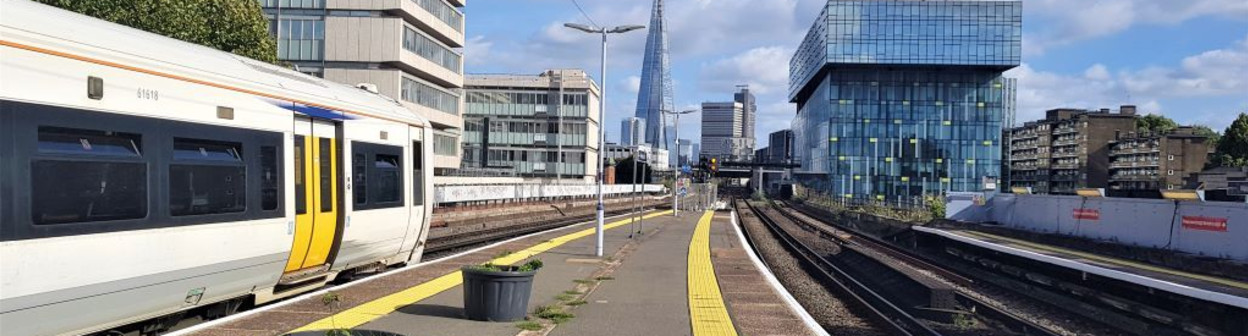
830 312
1058 321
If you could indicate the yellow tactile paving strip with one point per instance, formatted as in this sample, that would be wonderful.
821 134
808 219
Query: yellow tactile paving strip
1106 260
707 312
385 305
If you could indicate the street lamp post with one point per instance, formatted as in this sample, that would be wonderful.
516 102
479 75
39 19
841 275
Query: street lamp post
602 112
675 194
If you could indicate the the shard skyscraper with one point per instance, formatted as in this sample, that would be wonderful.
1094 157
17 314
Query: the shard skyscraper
655 94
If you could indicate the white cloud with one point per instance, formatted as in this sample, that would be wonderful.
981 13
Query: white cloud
477 50
765 69
1211 74
631 84
1070 21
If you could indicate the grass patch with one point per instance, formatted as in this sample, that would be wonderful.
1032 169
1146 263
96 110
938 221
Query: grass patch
604 278
504 253
565 297
529 325
572 292
584 281
577 303
553 313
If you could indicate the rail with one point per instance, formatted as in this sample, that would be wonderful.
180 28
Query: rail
883 311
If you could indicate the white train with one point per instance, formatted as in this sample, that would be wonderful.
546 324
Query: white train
144 176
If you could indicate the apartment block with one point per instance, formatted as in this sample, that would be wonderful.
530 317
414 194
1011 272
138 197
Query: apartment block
543 125
1146 162
1067 150
408 50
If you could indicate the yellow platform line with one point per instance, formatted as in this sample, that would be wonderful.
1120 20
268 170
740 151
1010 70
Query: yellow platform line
1109 260
707 312
372 310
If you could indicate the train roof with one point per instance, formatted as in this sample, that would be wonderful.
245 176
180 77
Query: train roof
72 33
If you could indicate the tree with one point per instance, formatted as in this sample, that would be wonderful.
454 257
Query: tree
1233 146
1155 123
236 26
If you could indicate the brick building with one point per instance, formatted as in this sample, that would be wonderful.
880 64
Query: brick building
1147 162
1067 150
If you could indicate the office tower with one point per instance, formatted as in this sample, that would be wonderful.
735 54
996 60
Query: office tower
406 50
898 99
543 125
654 96
632 131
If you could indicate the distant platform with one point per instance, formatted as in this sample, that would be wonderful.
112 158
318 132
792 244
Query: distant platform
1205 287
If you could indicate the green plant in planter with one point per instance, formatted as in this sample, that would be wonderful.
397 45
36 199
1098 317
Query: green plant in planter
531 265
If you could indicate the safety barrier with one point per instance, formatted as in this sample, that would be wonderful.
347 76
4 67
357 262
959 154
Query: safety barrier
1208 229
443 194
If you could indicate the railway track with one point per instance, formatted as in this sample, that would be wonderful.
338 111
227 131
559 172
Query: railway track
899 318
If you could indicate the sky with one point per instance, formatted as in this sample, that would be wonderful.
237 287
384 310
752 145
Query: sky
1185 59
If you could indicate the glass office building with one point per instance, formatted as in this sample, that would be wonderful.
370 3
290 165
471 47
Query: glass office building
897 99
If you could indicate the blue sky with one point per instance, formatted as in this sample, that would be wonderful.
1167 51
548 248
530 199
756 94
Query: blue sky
1186 59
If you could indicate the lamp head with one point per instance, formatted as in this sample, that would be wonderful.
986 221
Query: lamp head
624 29
582 27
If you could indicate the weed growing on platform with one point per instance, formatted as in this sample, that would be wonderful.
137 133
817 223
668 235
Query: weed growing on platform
604 278
577 303
583 281
330 297
565 297
553 313
529 325
572 292
504 253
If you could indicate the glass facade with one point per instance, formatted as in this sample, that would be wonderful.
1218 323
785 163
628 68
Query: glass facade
525 131
428 96
654 95
897 99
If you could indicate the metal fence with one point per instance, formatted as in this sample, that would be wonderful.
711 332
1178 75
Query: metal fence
445 194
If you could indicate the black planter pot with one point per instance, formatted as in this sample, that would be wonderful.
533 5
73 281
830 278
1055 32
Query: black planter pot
500 296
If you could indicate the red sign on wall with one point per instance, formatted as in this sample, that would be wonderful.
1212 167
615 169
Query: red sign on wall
1203 223
1087 214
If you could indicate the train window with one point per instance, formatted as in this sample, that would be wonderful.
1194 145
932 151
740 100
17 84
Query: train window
386 178
359 169
327 175
301 188
207 178
417 175
87 191
270 181
206 150
58 140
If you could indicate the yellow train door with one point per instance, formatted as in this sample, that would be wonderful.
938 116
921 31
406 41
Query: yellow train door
317 174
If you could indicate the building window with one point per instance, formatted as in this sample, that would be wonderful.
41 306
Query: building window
299 39
431 50
418 178
1170 172
387 179
425 95
293 3
207 177
359 169
445 145
1171 158
443 12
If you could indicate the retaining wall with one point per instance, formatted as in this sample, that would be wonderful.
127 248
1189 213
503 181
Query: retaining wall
1207 229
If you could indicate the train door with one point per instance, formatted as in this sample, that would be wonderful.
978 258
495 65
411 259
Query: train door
317 167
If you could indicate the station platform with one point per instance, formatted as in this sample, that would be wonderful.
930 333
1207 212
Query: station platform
1210 288
662 275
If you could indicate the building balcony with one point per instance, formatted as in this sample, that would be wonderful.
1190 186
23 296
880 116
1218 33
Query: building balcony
1065 130
1131 164
1065 177
1132 178
1023 167
1137 150
1065 142
1065 154
1065 166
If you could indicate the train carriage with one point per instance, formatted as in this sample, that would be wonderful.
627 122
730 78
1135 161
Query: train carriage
142 176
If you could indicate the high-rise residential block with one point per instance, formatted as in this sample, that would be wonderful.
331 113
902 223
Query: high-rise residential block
543 125
1147 162
897 99
407 50
1067 150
